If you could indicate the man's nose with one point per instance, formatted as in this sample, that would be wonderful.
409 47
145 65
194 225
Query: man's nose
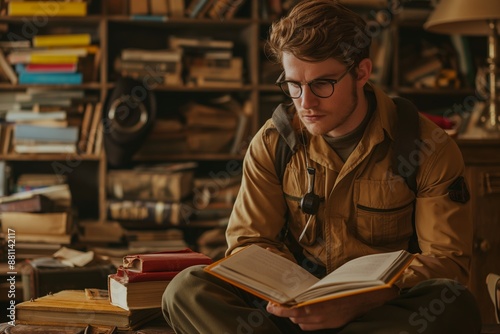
307 99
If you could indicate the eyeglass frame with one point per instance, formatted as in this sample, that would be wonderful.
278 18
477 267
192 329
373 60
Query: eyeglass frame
332 82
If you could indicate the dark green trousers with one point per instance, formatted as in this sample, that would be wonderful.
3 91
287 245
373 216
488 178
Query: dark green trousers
197 302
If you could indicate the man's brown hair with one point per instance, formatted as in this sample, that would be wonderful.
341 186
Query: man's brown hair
316 30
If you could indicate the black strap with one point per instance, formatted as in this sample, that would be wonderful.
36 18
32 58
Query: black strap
405 145
406 148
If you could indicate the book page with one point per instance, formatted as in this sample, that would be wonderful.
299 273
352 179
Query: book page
256 264
369 268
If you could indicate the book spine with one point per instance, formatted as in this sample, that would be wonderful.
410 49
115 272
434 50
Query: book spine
26 78
35 204
46 68
61 40
175 264
47 8
33 132
152 18
36 223
127 276
147 211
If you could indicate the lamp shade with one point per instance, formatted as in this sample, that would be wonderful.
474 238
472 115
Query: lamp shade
463 17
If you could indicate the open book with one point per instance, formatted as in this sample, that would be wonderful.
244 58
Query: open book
274 278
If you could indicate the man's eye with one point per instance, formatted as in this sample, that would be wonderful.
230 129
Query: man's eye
292 84
321 83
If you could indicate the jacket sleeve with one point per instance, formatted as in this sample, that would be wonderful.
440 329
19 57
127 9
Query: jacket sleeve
443 216
260 208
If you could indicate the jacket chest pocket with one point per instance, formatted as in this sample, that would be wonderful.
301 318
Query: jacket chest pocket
383 212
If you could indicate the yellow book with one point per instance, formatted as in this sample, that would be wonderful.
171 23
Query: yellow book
52 223
53 59
47 8
76 308
61 40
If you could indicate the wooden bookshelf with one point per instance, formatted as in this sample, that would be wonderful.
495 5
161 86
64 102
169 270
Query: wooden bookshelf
116 29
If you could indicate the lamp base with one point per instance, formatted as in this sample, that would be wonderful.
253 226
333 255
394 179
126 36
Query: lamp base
490 118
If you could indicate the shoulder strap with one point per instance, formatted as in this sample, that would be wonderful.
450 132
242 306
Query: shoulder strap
287 140
406 143
407 134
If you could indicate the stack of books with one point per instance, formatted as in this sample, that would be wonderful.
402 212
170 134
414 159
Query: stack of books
41 120
81 308
208 62
150 196
56 59
218 125
140 282
40 216
161 66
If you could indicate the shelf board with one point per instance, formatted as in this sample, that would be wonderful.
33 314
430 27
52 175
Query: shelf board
48 157
180 88
181 21
434 91
85 20
90 85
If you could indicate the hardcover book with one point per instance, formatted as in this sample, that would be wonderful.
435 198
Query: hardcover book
279 280
136 295
26 78
61 40
147 213
44 8
36 203
164 261
53 223
40 133
73 307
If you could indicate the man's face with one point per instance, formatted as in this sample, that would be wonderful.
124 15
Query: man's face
336 115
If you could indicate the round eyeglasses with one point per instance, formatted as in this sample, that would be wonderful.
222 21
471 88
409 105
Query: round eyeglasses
322 88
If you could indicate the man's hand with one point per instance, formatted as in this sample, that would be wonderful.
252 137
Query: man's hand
333 313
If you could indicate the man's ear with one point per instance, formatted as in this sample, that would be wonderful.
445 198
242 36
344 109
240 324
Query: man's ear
364 71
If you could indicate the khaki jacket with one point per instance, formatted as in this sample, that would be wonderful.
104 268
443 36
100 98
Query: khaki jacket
365 208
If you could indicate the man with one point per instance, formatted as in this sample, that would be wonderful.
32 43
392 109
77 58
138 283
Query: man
344 129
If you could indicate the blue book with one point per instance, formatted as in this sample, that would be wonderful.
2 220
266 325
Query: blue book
153 18
24 132
26 78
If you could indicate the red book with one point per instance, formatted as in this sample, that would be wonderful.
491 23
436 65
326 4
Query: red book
59 68
164 261
128 276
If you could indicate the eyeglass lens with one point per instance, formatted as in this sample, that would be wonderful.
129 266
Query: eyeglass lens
320 88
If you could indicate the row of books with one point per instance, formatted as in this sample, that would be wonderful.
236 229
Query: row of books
156 9
50 121
218 125
68 59
192 61
167 195
437 63
40 215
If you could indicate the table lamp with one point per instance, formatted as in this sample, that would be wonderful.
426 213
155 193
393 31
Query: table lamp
478 17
